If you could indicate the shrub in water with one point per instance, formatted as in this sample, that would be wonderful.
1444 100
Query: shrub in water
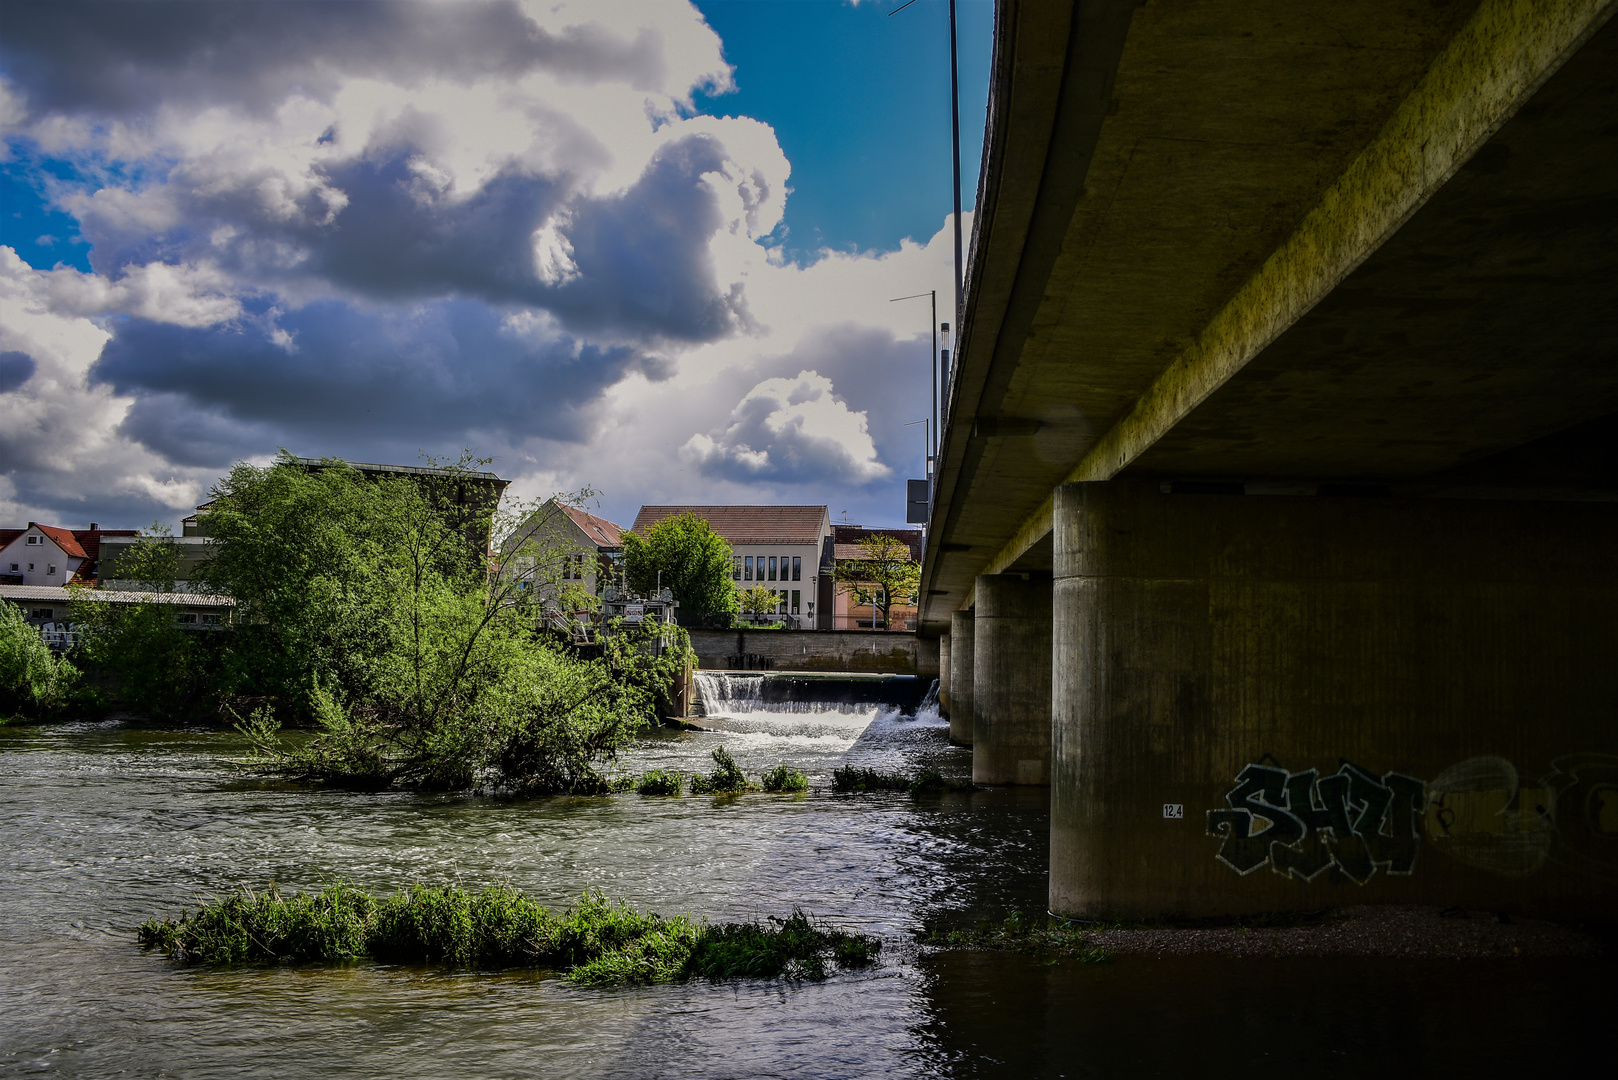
727 778
597 943
785 778
659 782
926 782
847 778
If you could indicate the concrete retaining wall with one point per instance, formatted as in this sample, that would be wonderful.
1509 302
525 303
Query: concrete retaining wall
896 652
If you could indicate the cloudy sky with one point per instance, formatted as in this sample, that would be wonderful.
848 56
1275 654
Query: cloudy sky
645 246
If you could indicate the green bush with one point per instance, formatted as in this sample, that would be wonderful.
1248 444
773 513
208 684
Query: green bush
785 778
33 680
726 779
595 943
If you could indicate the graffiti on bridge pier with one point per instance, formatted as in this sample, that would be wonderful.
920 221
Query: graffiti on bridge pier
1303 824
1479 812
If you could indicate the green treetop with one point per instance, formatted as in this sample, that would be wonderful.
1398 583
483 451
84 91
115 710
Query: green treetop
686 556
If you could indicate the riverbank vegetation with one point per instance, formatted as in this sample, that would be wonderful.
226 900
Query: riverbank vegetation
368 608
595 942
33 680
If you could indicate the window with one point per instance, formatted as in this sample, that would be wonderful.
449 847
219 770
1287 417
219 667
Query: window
748 568
30 568
50 569
796 599
797 568
736 569
187 617
41 613
32 540
772 567
781 602
213 618
13 568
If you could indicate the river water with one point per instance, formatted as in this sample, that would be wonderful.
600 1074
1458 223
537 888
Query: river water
105 825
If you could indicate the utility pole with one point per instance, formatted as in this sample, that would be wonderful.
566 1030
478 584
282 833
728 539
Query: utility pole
955 145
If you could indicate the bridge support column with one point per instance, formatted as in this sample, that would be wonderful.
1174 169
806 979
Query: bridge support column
943 676
1011 687
1276 703
961 638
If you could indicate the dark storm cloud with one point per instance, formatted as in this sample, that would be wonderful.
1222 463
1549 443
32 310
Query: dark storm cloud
644 269
119 57
424 376
16 368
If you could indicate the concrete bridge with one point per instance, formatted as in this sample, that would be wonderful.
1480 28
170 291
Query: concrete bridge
1276 523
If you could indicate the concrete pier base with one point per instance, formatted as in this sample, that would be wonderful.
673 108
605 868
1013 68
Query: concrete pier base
1011 687
1280 703
961 639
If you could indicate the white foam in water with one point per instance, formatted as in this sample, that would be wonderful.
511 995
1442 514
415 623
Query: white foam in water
735 703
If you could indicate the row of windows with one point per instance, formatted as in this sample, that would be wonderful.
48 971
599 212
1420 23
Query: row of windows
767 568
49 572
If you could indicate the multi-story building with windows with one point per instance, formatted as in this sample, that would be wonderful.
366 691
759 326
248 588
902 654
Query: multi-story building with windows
785 548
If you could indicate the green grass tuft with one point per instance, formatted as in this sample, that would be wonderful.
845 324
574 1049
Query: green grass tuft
595 943
785 778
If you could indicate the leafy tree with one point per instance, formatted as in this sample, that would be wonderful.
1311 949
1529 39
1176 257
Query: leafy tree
33 680
420 666
688 557
759 600
883 573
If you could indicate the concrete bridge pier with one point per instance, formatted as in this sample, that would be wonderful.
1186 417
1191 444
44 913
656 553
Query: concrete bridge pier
1268 703
1011 687
961 638
943 676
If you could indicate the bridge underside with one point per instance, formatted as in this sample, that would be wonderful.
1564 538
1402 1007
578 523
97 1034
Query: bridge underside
1289 380
1254 283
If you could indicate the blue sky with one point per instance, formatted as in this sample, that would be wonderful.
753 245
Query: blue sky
631 245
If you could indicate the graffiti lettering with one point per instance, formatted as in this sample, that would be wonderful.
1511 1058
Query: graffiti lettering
1352 820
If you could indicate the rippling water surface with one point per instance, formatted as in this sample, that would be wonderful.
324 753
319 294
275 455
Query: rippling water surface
106 825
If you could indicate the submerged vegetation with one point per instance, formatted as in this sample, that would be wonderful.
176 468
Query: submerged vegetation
851 780
596 942
1020 932
726 779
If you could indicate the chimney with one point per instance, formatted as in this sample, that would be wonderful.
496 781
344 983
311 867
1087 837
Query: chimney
94 526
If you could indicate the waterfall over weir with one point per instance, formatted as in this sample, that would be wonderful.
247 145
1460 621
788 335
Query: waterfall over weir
825 708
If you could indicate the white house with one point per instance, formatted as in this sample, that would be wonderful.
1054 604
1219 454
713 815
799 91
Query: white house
44 555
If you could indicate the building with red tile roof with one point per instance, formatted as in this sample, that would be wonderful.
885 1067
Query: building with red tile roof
48 555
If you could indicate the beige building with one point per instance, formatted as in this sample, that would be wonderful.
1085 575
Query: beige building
785 548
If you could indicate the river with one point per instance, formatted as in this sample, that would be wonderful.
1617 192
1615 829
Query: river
105 825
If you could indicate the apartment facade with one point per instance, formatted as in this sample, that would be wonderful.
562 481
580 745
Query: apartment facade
785 548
